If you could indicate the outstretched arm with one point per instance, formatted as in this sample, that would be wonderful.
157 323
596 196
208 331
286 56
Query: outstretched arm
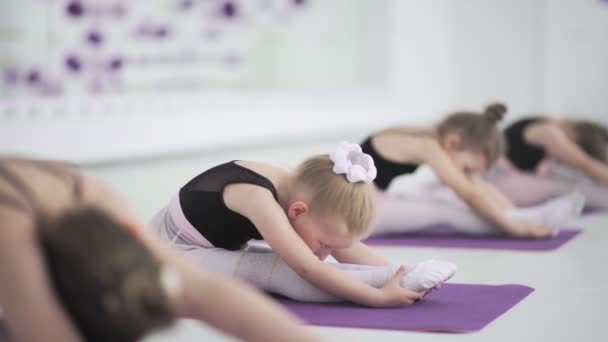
474 195
560 147
260 207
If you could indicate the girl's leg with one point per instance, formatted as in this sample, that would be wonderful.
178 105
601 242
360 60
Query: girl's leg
525 189
595 193
267 271
415 213
401 214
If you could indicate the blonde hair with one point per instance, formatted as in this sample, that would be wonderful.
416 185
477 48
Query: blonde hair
331 193
478 131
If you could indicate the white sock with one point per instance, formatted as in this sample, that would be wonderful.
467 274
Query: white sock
553 213
428 274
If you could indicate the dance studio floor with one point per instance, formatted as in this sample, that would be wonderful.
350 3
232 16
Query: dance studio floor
571 288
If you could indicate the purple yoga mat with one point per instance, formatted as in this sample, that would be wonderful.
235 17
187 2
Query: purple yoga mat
453 308
461 241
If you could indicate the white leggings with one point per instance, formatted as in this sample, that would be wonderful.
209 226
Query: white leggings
525 188
439 206
264 270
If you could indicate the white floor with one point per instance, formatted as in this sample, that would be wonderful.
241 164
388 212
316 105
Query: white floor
569 283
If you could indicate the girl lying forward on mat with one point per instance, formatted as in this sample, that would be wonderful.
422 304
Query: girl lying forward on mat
324 207
78 265
549 157
459 149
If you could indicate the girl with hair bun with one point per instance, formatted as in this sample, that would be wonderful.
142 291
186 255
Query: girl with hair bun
459 150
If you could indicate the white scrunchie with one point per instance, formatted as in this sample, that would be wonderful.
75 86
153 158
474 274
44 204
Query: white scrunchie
350 160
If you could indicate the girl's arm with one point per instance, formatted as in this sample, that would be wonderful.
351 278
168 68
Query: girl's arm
259 206
482 203
360 254
26 294
558 146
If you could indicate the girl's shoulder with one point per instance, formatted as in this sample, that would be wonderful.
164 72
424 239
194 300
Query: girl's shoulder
273 173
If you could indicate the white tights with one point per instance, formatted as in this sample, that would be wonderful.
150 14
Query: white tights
267 271
524 188
440 207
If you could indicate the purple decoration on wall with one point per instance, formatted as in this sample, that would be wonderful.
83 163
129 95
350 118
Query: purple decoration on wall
161 32
11 76
115 64
229 9
101 70
94 38
73 64
33 77
75 9
185 4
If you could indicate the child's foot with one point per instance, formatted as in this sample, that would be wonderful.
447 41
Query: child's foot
563 208
553 213
428 274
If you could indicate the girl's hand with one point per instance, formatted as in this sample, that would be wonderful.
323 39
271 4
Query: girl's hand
394 295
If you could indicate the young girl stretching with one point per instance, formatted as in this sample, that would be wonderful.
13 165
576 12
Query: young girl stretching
549 157
325 207
459 149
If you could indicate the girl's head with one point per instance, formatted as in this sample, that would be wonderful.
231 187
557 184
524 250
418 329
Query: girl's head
473 140
327 210
591 138
113 288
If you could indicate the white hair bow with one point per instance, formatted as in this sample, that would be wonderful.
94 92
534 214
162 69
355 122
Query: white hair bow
350 160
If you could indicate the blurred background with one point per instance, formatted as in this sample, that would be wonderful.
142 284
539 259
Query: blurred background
148 93
97 81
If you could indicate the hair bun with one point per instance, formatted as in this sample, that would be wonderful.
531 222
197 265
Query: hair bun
495 112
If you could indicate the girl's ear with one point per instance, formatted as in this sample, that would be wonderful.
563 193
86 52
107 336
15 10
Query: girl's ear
296 209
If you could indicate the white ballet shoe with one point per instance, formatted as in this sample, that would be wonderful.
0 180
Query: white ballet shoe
428 274
571 205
